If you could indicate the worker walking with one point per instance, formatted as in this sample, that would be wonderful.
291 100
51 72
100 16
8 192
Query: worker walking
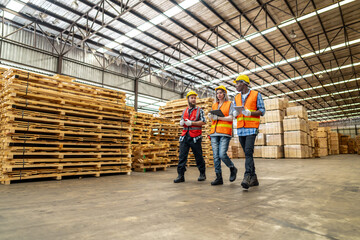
220 134
192 120
248 121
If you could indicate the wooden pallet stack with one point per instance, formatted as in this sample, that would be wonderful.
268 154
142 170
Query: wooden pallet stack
150 157
53 127
166 131
141 125
174 109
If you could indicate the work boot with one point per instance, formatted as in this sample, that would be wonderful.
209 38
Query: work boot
233 172
179 179
254 181
218 180
246 182
202 177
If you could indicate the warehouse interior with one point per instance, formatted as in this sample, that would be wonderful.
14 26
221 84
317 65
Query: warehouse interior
92 94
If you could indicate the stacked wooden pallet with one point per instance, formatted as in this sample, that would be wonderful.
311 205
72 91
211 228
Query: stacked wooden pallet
166 131
53 127
150 157
141 128
174 109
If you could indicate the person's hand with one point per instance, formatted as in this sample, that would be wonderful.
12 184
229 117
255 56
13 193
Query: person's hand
188 122
210 116
215 117
246 112
182 122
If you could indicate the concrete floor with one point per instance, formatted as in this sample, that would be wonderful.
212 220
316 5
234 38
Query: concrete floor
296 199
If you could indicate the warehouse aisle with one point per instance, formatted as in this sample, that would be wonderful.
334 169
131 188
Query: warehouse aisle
296 199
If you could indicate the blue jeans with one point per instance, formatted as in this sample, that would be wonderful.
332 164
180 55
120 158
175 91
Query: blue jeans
220 145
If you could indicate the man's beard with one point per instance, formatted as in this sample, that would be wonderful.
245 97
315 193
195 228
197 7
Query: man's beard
191 105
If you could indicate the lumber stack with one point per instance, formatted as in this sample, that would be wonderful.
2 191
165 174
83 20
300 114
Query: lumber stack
54 127
174 109
141 128
357 142
150 157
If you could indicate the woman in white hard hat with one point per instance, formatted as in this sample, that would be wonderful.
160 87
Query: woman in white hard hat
220 134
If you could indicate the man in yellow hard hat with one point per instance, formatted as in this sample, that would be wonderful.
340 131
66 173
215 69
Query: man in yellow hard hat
192 120
249 106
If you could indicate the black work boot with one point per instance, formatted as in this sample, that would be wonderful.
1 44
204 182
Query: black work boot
254 181
202 177
180 179
246 182
233 172
218 180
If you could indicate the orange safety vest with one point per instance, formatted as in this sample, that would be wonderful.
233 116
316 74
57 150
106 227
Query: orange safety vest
250 104
220 126
194 131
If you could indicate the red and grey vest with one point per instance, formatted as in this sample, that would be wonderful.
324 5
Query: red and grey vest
194 131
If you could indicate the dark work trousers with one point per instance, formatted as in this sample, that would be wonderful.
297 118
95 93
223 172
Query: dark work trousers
185 145
247 143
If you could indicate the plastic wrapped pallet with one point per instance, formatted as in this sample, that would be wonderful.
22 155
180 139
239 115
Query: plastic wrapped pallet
260 139
275 140
295 138
299 111
295 124
296 151
274 116
274 128
273 152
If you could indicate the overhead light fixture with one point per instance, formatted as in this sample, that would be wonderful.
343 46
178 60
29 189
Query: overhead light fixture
55 22
43 16
292 34
75 4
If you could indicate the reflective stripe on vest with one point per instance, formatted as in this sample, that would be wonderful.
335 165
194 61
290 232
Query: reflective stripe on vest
250 104
220 126
194 131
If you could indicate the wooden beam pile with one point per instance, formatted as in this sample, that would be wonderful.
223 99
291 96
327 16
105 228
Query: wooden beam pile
53 127
141 128
174 109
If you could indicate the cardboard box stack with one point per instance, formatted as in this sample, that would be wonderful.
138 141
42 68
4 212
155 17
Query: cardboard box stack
235 150
351 145
322 137
296 137
275 112
344 139
334 139
313 136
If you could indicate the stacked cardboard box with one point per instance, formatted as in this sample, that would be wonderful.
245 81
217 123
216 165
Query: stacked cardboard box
351 145
313 136
275 112
334 139
296 137
322 136
344 139
235 150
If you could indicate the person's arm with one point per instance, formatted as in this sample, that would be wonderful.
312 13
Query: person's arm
260 106
230 117
202 120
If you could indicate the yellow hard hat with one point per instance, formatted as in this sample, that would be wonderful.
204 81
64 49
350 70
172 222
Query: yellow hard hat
244 78
191 93
221 87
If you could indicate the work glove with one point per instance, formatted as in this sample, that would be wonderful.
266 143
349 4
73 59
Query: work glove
210 116
188 122
246 112
215 117
182 122
235 113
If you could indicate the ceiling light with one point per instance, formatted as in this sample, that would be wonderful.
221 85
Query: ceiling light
292 34
75 4
55 22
